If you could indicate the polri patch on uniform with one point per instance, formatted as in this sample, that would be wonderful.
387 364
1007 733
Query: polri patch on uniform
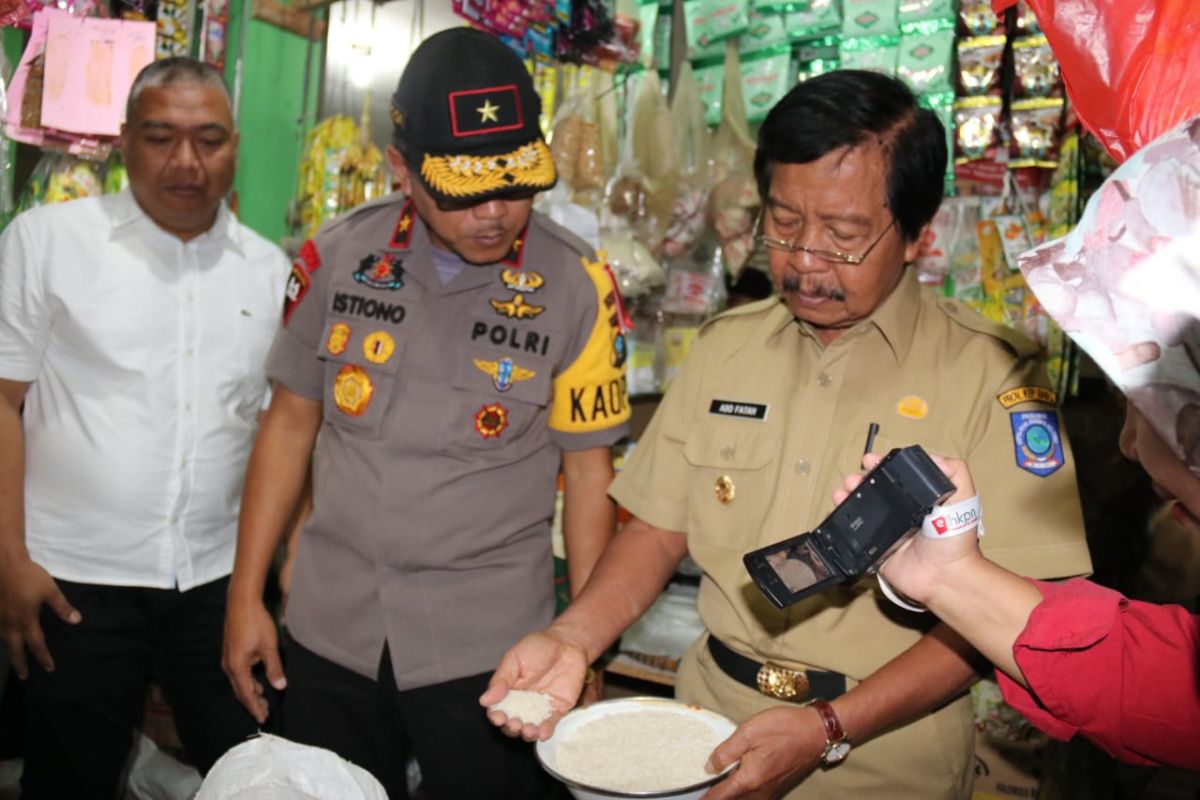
1037 441
738 408
339 337
503 372
380 271
403 230
1027 394
352 390
491 420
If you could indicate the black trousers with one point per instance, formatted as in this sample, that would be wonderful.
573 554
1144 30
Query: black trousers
80 718
376 726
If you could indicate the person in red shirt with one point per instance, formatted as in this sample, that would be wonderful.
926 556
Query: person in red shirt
1074 657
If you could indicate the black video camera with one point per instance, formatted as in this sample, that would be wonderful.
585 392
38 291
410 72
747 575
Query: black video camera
890 503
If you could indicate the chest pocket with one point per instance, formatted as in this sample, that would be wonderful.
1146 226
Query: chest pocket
362 363
496 396
731 481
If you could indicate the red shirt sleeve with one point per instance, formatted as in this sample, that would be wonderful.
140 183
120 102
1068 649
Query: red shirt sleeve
1123 673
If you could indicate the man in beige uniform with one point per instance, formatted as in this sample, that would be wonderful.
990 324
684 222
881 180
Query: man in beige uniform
452 348
771 409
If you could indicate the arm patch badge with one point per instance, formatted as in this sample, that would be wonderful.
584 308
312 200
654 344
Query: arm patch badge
1037 442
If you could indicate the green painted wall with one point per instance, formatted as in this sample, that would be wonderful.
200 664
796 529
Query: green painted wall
270 109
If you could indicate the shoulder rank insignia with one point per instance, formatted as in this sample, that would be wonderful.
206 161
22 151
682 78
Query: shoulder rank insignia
516 308
352 390
517 252
1038 445
307 261
402 232
504 373
491 420
521 281
380 272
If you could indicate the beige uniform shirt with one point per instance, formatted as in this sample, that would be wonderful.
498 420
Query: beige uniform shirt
762 404
445 411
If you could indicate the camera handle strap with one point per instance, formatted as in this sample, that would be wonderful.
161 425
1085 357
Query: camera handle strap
943 522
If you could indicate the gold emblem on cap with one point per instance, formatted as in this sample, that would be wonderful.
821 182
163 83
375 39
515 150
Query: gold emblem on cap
352 390
339 337
487 112
725 489
378 347
529 166
397 117
912 407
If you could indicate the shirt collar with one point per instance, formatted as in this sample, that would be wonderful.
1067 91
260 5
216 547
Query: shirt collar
129 214
895 319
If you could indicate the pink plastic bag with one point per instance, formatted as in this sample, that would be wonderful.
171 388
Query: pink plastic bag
1132 67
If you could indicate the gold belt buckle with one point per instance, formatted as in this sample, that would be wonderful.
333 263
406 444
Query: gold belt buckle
782 683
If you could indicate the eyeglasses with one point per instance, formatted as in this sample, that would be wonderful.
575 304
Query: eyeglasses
832 256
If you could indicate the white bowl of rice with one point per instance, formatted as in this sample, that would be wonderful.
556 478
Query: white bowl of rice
635 747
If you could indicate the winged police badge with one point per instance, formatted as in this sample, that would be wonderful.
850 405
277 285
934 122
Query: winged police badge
504 373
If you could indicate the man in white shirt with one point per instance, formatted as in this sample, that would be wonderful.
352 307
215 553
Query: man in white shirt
134 328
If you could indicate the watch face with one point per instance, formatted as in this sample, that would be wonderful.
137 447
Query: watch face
836 751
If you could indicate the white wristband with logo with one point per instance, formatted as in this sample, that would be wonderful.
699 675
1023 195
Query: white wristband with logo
955 519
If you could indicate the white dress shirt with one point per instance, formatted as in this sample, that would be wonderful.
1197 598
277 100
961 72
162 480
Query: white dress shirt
146 357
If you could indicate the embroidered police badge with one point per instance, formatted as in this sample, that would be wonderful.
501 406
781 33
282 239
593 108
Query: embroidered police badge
380 272
521 281
339 337
1037 442
516 308
504 373
378 347
491 420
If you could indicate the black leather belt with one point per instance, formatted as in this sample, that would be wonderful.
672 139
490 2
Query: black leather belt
775 680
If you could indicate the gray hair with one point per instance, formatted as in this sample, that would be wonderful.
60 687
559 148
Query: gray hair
177 69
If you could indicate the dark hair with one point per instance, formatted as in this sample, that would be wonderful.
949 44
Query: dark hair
848 107
177 69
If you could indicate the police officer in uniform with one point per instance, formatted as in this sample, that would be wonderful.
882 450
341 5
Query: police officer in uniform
838 695
452 348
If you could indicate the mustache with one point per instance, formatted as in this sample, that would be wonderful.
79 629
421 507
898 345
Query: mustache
791 283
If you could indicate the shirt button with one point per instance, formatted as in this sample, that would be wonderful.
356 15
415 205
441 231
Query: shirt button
802 467
825 379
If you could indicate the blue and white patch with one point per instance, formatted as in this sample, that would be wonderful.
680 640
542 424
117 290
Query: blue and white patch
1037 442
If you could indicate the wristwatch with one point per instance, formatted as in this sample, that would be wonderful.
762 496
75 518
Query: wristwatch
837 745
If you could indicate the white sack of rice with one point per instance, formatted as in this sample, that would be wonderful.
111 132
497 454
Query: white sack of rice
532 708
643 751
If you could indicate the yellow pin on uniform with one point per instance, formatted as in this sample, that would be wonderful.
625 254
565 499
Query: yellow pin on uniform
339 337
912 407
352 390
725 490
378 347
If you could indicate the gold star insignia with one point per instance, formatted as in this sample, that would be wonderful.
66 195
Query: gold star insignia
405 224
487 112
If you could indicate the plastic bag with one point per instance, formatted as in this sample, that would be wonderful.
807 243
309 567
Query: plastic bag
1131 67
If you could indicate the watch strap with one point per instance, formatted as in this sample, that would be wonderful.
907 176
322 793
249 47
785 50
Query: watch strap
834 733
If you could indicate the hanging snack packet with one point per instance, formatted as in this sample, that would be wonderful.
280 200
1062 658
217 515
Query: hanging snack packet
766 77
1027 21
766 30
710 83
979 60
976 18
872 53
976 121
696 35
817 56
869 18
1035 124
1035 66
926 59
820 19
922 10
726 18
